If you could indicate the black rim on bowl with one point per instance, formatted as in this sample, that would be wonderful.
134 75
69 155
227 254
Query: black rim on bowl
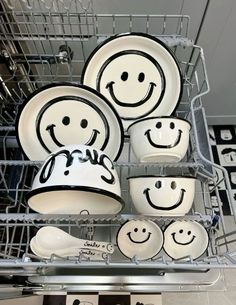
160 117
161 177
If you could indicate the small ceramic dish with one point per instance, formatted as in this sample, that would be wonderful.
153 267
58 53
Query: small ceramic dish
76 179
162 196
185 238
142 239
164 139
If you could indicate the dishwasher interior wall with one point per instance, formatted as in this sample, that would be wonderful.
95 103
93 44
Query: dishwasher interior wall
44 42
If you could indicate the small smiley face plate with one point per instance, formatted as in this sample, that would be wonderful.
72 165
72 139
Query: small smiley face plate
137 73
140 238
62 114
185 238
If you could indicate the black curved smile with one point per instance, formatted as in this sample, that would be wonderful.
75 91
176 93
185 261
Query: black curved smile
109 86
182 244
50 129
174 206
147 134
139 242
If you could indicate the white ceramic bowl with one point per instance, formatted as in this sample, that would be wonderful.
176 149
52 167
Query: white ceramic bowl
76 179
140 238
162 196
185 238
164 139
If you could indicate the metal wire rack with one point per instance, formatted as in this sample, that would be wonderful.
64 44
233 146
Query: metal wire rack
48 41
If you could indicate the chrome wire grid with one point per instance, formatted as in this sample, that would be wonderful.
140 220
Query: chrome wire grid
48 41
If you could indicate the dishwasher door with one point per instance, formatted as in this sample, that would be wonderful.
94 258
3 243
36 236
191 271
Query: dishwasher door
42 44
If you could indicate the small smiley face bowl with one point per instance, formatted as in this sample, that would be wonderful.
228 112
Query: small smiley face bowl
76 179
164 139
142 239
184 238
162 196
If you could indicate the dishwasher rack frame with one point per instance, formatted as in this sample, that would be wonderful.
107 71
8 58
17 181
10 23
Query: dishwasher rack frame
42 43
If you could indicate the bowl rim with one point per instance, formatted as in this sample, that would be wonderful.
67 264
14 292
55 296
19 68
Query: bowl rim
160 117
161 177
53 188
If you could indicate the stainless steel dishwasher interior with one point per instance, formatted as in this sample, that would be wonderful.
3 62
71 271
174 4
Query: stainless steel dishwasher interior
41 44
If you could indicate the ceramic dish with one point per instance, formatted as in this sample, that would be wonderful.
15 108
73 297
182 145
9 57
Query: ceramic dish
162 196
140 238
185 238
164 139
137 73
76 179
63 114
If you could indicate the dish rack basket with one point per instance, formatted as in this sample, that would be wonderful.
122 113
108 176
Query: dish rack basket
48 41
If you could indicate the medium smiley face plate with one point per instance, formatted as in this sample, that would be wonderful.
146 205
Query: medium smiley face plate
137 73
63 114
140 238
185 238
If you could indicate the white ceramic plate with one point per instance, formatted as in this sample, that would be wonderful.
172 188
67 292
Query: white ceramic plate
137 73
185 238
140 238
62 114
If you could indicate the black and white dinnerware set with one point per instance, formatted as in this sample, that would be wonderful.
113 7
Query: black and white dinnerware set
130 83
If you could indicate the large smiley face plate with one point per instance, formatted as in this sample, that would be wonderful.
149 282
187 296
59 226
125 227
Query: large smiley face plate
137 73
140 238
185 238
62 114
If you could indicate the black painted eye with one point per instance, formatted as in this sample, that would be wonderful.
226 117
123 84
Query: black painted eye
141 77
84 123
144 230
124 76
158 184
136 230
173 185
158 125
189 232
66 120
181 231
172 125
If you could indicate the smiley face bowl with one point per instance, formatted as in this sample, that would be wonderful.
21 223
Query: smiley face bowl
164 139
185 238
76 179
162 196
142 239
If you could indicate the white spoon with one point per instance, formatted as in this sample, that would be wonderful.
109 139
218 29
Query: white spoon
53 239
85 253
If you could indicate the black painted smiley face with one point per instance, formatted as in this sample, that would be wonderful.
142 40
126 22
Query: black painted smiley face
139 235
185 238
166 195
132 80
140 238
71 120
157 136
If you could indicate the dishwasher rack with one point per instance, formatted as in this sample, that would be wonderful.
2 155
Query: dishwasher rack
48 41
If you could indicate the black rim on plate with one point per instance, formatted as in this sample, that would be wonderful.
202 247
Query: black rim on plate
67 84
145 35
139 220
